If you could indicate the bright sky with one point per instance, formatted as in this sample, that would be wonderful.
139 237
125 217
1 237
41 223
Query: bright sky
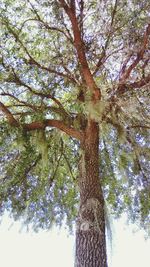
56 249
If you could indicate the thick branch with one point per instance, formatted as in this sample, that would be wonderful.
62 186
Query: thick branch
80 48
56 124
12 121
140 83
122 88
139 56
41 124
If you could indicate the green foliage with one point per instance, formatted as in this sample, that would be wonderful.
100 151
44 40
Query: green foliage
125 174
39 64
42 191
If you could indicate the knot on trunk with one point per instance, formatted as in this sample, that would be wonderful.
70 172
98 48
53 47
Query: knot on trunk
90 216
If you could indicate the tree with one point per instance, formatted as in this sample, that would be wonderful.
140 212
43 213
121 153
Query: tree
74 116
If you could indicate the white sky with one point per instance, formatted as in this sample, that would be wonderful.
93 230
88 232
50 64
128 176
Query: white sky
56 249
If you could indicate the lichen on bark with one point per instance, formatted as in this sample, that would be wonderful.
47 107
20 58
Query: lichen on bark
89 216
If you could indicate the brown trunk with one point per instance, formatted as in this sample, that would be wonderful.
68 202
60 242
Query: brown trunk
90 232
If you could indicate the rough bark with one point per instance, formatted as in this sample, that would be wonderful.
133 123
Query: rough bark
90 232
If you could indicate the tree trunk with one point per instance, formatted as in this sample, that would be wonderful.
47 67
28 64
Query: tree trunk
90 232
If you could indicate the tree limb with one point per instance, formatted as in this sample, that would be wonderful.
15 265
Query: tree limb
41 124
140 83
103 54
56 124
33 107
123 88
18 81
33 61
12 121
140 54
138 126
80 48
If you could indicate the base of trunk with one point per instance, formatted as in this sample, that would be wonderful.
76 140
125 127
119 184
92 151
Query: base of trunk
90 249
90 235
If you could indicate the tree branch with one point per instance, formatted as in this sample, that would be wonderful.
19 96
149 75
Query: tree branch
56 124
33 107
103 54
138 126
48 27
140 54
33 61
123 88
37 125
80 48
140 83
16 79
12 121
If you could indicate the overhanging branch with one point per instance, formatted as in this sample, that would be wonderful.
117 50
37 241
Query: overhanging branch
56 124
37 125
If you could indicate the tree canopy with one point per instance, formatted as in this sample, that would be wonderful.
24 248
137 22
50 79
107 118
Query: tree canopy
48 56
